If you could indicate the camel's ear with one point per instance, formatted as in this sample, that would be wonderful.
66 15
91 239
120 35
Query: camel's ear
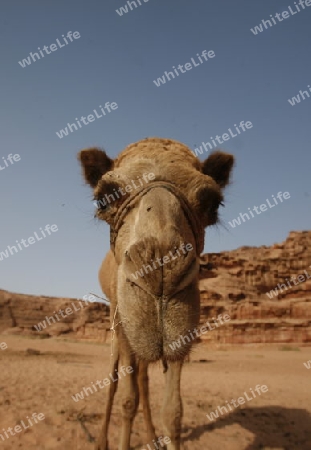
95 164
218 166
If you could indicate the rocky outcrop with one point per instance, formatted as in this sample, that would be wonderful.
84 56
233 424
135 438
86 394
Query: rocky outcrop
234 283
25 314
240 283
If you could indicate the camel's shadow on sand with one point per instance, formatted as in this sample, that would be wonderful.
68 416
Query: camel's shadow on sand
272 426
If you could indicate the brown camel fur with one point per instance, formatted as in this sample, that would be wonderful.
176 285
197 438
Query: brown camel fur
178 198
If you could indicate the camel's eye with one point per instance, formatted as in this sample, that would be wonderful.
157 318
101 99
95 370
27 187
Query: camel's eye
217 205
102 207
101 204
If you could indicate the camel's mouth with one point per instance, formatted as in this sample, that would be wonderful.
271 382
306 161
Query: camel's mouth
159 276
154 324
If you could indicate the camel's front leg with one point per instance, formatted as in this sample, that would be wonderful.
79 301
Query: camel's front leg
143 384
172 408
102 443
130 395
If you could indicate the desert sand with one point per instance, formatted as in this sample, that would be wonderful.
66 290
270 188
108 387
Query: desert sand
45 381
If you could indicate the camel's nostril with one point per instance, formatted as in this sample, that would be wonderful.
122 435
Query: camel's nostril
149 208
130 282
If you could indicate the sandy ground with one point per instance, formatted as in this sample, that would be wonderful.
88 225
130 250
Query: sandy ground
44 383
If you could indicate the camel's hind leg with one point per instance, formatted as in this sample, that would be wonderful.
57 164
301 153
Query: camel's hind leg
102 443
143 386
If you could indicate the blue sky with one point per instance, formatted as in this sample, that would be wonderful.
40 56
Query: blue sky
116 59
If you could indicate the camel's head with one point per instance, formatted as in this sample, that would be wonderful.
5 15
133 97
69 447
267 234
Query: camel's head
152 159
158 198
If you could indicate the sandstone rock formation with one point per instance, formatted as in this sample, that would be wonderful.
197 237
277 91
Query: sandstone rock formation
19 314
234 282
237 283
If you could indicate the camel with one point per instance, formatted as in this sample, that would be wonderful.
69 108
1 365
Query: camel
175 199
